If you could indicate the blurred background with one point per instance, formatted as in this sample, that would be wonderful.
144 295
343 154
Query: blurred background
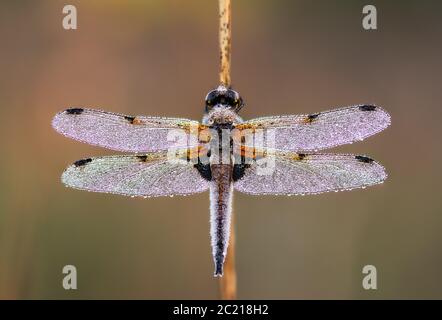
160 58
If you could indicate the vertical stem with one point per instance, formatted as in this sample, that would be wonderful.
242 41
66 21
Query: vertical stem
228 281
225 40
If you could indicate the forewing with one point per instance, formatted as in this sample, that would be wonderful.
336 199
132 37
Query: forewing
148 175
294 173
125 133
319 131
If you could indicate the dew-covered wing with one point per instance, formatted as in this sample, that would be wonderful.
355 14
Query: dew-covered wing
320 130
147 175
125 133
297 173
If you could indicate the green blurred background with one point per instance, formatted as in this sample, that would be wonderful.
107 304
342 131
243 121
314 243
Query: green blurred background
160 58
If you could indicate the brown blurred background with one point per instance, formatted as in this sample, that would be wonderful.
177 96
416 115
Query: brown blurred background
159 58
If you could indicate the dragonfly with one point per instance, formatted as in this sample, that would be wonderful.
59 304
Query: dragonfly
204 163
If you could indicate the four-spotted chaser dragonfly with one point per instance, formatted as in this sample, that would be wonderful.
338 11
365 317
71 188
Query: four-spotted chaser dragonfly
296 168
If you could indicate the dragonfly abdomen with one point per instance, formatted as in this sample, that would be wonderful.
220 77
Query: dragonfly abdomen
221 191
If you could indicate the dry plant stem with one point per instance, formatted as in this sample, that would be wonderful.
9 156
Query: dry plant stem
228 280
225 40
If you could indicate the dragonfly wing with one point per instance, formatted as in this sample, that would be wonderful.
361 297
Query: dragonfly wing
124 133
148 175
321 130
293 173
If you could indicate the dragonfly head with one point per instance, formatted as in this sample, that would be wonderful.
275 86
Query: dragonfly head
224 97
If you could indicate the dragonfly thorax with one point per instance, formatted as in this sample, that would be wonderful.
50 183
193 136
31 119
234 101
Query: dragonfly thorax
221 116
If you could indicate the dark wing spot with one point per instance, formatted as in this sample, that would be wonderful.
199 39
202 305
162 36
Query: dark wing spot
75 111
312 117
83 162
301 156
142 158
239 170
367 108
130 119
364 159
204 170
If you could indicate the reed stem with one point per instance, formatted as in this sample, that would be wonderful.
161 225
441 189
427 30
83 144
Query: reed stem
225 40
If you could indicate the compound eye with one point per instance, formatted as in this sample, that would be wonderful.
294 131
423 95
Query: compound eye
238 103
236 100
211 98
